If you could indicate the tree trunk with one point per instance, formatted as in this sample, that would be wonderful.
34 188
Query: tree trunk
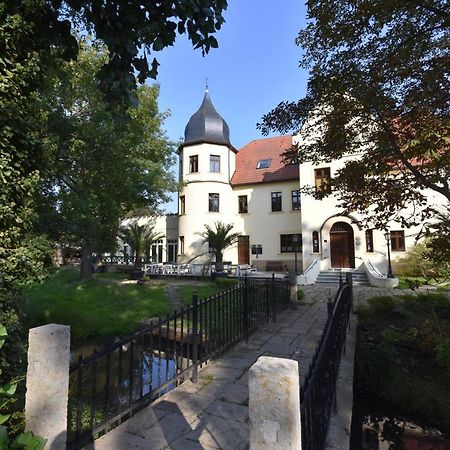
137 263
86 269
219 262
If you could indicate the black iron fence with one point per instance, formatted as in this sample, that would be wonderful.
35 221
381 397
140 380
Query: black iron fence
318 392
112 384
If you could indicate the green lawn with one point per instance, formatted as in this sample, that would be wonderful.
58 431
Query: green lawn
95 309
111 276
413 282
205 289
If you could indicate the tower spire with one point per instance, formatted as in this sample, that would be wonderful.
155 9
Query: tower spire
206 84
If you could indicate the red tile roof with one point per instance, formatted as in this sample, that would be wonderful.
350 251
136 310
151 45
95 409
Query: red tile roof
269 148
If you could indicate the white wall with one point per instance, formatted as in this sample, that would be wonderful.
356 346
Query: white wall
264 226
320 215
196 192
261 224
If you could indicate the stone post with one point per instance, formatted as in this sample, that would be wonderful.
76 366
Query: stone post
48 384
274 404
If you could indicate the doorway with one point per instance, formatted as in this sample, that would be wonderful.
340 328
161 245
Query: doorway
243 250
342 247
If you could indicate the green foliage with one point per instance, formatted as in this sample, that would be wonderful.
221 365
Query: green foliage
381 304
225 282
204 289
219 239
443 354
416 263
403 347
94 309
438 243
140 238
82 202
28 440
376 91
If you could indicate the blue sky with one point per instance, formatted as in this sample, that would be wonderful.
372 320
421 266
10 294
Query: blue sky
254 68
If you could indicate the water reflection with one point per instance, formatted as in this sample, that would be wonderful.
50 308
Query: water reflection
391 433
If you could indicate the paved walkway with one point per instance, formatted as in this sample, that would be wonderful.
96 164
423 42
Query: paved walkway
213 414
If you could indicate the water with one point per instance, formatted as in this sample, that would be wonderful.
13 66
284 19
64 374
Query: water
376 427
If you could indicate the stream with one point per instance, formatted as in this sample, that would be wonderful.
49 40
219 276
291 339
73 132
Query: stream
378 427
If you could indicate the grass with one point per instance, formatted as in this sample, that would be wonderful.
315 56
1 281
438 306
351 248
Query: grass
403 355
414 282
111 276
94 309
204 289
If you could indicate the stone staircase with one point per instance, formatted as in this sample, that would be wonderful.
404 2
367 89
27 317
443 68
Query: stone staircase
332 277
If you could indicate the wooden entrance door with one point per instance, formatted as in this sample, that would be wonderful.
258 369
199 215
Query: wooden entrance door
243 250
342 248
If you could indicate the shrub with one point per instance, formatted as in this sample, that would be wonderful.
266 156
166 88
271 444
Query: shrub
443 354
383 303
416 263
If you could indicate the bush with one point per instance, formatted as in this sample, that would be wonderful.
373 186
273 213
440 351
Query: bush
403 347
225 282
416 263
443 354
28 440
383 303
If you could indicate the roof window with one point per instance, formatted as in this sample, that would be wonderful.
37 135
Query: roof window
263 163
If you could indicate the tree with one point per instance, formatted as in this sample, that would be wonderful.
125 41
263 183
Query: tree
103 167
438 243
35 38
219 239
140 238
379 91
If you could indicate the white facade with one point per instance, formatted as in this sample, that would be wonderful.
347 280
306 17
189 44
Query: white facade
211 192
320 216
166 248
200 183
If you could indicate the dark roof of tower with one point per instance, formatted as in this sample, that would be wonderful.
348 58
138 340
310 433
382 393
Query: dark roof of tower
207 126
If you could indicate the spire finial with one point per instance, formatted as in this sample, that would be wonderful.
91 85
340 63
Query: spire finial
206 84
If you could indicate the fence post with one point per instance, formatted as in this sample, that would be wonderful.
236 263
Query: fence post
349 281
194 378
48 383
274 404
246 308
293 290
274 310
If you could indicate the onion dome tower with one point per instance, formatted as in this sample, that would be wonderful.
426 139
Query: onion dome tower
207 126
207 163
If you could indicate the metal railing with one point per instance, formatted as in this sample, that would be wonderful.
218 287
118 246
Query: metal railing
318 392
112 384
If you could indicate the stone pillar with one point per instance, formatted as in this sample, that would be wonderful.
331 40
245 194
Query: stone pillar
48 384
274 404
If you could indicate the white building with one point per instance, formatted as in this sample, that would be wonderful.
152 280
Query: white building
258 193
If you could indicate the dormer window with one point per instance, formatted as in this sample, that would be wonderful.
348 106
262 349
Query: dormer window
263 163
